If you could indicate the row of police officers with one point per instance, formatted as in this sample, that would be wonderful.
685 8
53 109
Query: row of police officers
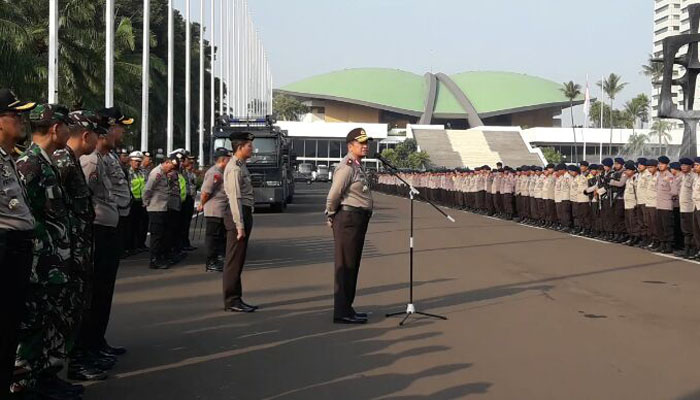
650 203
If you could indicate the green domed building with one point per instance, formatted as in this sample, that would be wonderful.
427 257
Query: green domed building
464 100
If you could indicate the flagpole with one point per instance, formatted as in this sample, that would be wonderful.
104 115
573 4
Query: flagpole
212 64
109 53
224 56
200 148
221 58
188 77
586 109
602 104
145 73
171 76
53 52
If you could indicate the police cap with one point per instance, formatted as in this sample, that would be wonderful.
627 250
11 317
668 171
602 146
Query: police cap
10 103
358 135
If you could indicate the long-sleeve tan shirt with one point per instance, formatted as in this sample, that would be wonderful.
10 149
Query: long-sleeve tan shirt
350 187
239 189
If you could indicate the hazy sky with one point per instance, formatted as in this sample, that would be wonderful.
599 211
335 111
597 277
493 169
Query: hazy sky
556 39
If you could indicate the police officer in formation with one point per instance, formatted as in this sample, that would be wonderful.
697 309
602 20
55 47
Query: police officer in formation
348 211
649 203
214 203
138 216
157 197
16 234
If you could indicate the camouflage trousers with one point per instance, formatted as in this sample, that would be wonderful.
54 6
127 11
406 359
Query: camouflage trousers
49 328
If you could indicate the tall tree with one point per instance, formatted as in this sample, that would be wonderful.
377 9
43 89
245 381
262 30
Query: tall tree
612 86
654 70
662 130
571 91
288 108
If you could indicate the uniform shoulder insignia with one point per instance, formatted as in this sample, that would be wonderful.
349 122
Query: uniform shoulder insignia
94 176
349 162
217 177
239 163
158 176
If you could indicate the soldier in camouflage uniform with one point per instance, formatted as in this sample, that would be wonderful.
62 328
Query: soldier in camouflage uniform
83 139
43 330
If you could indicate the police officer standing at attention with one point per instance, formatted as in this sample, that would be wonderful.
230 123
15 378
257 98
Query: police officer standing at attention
238 220
214 203
16 234
349 209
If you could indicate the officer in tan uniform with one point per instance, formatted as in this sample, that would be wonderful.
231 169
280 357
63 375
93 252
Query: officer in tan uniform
579 201
238 220
664 205
349 209
213 203
642 182
156 195
16 234
685 199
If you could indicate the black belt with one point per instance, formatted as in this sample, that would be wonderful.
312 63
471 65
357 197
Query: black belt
356 209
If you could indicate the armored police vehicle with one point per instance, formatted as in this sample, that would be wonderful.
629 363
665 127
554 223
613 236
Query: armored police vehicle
271 166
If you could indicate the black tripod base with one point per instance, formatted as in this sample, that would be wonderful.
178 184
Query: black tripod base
410 310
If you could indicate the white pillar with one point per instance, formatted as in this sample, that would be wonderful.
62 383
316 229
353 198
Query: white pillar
171 76
109 53
53 52
145 72
188 77
200 148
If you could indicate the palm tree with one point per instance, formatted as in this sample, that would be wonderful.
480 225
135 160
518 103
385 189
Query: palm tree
654 70
662 129
635 145
637 108
571 91
612 87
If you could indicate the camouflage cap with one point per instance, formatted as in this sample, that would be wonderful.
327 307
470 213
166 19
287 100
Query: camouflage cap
86 119
44 115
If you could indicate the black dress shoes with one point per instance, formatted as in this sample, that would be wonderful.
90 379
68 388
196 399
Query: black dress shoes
189 248
254 307
361 315
240 307
159 264
350 320
113 350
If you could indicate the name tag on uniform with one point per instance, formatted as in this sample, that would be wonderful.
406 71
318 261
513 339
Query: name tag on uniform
50 193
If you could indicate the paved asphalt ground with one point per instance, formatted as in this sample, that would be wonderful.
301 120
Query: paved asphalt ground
533 314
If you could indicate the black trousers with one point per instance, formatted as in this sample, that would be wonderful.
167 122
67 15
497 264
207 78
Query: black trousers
564 213
664 225
92 332
632 222
215 238
687 229
125 233
186 212
138 219
16 261
349 229
163 225
235 256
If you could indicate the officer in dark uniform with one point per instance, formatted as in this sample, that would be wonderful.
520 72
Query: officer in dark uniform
349 209
214 203
238 220
16 234
187 209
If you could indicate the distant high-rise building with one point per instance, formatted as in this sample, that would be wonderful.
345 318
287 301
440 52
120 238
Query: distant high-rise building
668 15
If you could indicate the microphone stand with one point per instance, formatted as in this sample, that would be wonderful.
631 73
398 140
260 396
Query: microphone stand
412 194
